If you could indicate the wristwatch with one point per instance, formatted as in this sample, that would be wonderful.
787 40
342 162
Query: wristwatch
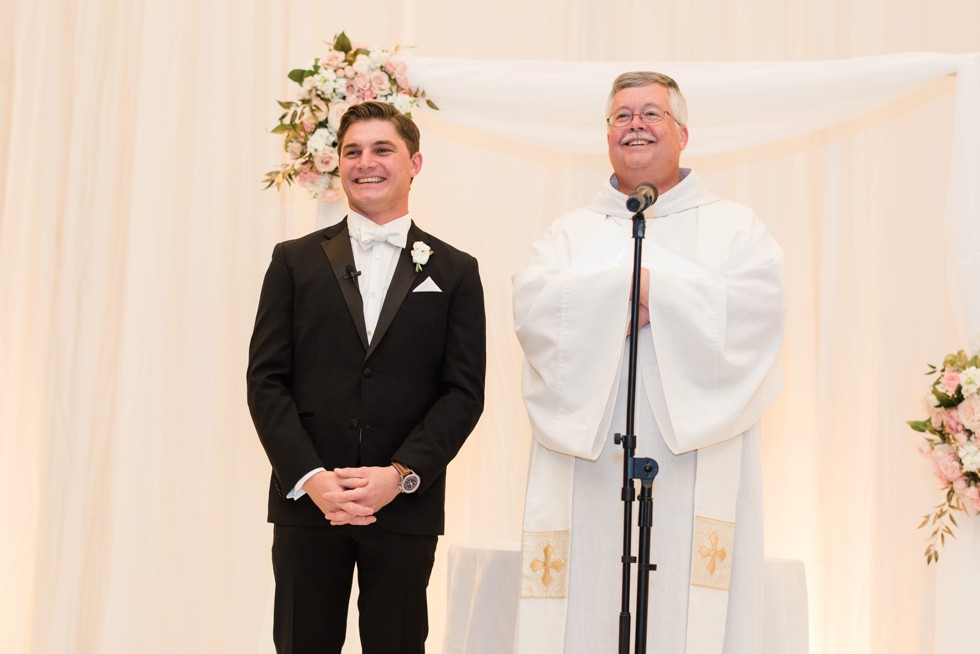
410 480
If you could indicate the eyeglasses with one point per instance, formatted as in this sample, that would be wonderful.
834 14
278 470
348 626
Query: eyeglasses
649 116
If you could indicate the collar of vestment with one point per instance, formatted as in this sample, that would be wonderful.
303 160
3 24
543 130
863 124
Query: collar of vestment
366 232
688 194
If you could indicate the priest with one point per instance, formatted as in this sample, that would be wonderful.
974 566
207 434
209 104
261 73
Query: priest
711 313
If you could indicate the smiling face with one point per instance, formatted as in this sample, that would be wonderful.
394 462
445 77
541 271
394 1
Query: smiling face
640 152
376 170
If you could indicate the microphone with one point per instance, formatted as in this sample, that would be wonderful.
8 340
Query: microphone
644 196
352 273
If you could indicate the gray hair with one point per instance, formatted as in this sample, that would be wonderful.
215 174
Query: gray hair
678 105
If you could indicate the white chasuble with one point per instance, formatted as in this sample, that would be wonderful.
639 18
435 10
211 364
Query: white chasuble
707 370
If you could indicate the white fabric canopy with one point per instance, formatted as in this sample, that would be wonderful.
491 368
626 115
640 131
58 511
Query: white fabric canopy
733 106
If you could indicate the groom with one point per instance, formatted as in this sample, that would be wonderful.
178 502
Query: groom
365 375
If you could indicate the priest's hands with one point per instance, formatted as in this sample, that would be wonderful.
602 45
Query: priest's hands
327 489
644 315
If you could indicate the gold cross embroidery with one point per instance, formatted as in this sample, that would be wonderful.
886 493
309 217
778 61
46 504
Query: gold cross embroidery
715 553
547 565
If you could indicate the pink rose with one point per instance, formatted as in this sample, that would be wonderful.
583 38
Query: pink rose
924 449
333 59
308 127
308 175
402 81
362 81
972 494
950 381
294 149
369 94
951 422
389 66
968 413
326 160
947 464
348 72
936 416
351 92
380 82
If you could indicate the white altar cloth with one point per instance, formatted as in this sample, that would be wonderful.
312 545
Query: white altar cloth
483 585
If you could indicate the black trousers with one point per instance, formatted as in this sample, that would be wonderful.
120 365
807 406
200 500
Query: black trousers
314 567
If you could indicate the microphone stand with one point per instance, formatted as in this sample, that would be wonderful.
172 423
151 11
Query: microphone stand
642 469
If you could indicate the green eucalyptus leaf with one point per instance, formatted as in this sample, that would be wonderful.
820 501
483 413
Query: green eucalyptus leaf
342 43
299 74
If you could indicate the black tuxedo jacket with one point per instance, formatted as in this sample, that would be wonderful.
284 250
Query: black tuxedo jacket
320 395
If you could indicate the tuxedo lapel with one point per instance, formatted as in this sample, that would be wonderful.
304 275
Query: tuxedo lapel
401 282
338 250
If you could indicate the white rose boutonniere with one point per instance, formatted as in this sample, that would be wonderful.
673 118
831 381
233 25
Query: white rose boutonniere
420 254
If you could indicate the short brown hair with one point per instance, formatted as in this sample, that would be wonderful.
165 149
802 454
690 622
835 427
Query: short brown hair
678 105
407 129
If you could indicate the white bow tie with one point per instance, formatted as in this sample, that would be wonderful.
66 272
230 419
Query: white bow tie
371 234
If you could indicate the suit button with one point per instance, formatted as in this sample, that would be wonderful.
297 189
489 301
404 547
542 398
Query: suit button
367 372
353 423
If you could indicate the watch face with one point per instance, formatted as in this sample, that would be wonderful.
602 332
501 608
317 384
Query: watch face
410 483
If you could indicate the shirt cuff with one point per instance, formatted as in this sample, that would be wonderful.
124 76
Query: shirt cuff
298 491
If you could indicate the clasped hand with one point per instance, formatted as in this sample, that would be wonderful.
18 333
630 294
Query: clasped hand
351 496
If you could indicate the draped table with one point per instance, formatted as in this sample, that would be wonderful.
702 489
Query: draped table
483 587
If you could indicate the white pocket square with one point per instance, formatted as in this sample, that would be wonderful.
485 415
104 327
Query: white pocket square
428 286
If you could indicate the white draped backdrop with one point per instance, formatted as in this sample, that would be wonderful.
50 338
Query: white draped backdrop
134 236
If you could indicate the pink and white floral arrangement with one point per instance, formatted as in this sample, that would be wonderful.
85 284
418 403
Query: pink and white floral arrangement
951 443
348 74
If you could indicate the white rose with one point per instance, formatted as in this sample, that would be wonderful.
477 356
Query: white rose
404 103
420 254
337 110
362 64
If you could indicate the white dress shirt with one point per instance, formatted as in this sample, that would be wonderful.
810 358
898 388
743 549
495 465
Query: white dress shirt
376 261
376 249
